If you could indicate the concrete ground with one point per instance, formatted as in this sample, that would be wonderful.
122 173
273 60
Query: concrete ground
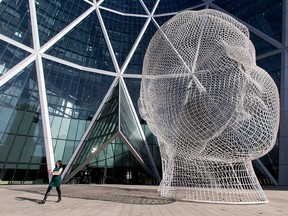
122 200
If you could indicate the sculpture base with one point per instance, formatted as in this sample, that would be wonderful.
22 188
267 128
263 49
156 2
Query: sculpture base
215 195
214 182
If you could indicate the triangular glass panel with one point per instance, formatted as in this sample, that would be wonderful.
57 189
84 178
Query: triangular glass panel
125 6
21 128
103 158
266 16
133 87
122 31
20 90
16 22
104 127
136 62
74 93
161 20
53 16
73 97
261 45
10 56
131 130
114 155
150 4
114 164
123 156
85 45
168 6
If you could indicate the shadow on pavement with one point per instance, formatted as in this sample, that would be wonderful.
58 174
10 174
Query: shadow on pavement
112 194
28 199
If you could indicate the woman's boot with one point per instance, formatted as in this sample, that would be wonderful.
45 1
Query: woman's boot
46 195
59 194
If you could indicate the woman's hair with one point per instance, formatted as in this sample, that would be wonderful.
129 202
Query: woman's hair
60 162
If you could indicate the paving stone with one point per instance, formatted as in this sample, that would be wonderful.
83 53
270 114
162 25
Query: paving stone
125 200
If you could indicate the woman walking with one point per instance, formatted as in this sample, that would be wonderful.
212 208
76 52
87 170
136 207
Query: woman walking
55 181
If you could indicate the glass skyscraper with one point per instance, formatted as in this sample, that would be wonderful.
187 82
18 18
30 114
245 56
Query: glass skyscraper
70 74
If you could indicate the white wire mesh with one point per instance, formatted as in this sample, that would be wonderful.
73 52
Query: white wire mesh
212 109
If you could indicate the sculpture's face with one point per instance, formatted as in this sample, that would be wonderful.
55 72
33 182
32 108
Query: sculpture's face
202 93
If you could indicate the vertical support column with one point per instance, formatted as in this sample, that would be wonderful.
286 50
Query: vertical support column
42 90
283 139
45 115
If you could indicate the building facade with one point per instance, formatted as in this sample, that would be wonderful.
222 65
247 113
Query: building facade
70 74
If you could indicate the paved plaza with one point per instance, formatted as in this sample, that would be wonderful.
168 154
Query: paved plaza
122 200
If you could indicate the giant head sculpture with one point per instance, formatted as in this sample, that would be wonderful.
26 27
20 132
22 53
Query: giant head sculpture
212 109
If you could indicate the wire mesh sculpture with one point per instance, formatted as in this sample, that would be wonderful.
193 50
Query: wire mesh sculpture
212 109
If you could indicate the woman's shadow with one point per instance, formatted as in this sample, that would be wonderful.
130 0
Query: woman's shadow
28 199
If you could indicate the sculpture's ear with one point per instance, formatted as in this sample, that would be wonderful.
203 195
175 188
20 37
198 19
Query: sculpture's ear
243 55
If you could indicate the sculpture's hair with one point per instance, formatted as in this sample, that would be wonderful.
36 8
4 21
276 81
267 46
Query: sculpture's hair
211 107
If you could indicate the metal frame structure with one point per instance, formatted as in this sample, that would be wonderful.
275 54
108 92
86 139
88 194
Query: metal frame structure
212 114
